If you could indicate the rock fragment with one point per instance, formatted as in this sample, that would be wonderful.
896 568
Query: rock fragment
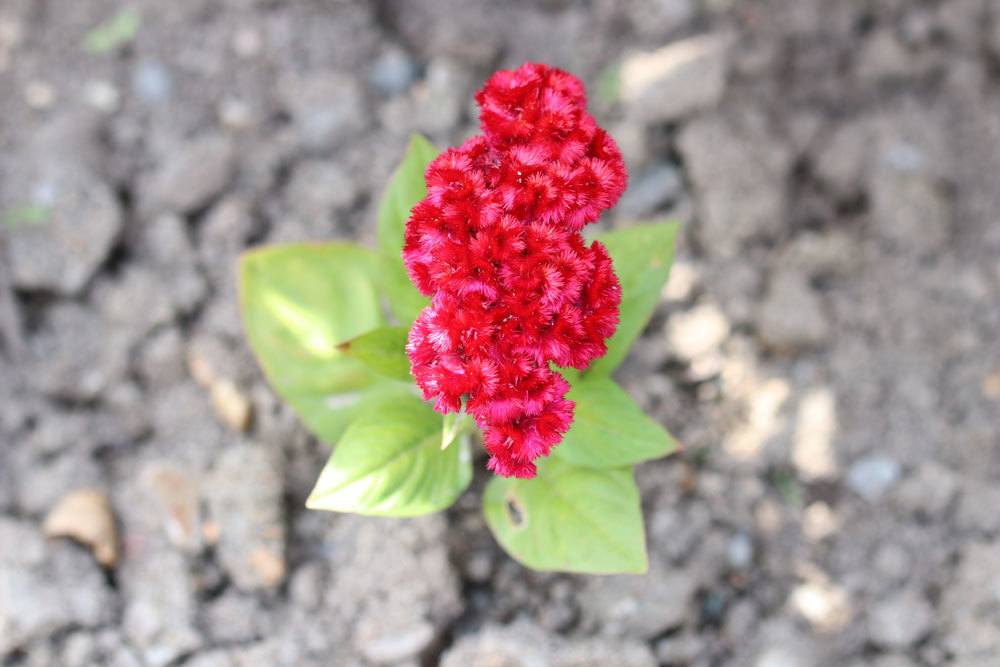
85 516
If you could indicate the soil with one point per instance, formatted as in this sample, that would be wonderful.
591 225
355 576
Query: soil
826 348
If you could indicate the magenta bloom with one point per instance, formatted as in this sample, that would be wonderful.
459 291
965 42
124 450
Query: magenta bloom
497 245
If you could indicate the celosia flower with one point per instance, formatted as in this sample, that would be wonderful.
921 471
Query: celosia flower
514 287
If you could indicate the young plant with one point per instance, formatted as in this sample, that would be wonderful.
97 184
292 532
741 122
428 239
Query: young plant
503 327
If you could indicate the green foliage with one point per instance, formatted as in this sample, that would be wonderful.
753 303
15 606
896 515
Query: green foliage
406 188
390 463
114 33
609 430
313 316
642 256
383 351
570 519
29 214
299 304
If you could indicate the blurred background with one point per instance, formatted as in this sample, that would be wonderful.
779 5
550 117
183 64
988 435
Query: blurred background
827 347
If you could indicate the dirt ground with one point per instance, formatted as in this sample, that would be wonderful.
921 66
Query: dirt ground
827 347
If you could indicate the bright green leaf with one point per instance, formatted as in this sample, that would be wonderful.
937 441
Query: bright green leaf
406 187
114 33
569 519
29 214
383 351
609 430
389 462
455 425
299 304
642 257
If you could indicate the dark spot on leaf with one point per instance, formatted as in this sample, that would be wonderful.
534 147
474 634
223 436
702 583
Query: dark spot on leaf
515 512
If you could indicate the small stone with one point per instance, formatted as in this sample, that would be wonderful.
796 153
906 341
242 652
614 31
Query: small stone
192 175
977 507
815 426
739 551
525 645
824 605
74 355
650 191
909 206
102 95
739 178
640 606
842 161
393 72
697 332
152 82
316 189
161 359
872 476
791 317
884 57
677 80
970 625
80 223
160 607
247 42
819 522
246 500
46 588
39 95
900 621
177 496
825 254
327 108
231 405
682 649
399 646
929 492
233 618
85 516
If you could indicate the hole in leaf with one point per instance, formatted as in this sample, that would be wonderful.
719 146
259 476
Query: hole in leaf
515 512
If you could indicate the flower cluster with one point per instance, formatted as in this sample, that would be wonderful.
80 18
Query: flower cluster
497 244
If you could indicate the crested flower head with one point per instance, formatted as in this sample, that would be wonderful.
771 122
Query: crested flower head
496 243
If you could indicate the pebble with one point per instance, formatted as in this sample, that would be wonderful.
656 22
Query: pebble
327 108
677 80
929 493
160 606
640 606
39 95
739 551
738 175
81 223
85 516
694 333
650 191
824 605
523 644
393 72
75 355
152 82
231 405
399 646
46 587
791 317
245 499
901 620
102 95
191 176
872 476
177 497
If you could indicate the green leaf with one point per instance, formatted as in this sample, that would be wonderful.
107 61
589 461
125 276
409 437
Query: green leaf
455 425
406 187
383 351
609 430
569 519
114 33
299 304
389 462
642 256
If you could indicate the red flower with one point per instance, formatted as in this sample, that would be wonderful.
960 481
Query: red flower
515 288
